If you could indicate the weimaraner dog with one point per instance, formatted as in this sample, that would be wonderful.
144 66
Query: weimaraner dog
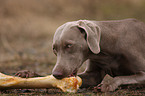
116 48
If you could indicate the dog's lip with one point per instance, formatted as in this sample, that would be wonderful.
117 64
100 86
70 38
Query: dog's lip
73 74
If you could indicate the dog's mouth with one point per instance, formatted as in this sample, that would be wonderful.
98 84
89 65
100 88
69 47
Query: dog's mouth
73 74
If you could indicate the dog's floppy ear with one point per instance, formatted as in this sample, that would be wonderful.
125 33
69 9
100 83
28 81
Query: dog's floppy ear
93 34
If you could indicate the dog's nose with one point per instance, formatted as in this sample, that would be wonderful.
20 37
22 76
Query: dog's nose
58 75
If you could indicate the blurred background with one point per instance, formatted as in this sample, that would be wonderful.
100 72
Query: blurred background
27 27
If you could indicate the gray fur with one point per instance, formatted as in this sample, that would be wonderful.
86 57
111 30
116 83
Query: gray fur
116 48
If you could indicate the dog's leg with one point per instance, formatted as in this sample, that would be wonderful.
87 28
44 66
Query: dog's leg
113 84
27 74
93 75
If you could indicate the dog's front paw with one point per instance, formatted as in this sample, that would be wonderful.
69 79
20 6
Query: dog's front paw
26 74
110 85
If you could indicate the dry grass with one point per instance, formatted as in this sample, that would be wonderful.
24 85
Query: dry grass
27 28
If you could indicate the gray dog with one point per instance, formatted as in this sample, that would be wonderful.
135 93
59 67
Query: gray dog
116 48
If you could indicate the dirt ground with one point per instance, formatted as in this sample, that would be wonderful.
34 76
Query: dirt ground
131 90
27 29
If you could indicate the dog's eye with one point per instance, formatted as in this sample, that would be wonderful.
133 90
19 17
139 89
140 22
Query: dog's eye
68 45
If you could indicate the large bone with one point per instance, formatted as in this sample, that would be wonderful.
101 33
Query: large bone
70 84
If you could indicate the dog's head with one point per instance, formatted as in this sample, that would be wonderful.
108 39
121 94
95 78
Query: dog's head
71 44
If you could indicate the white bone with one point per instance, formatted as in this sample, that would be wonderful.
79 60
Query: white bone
70 84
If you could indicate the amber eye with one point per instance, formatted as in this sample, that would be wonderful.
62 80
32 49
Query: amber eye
68 45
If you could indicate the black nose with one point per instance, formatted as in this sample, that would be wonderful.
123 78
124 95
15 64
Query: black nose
58 75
